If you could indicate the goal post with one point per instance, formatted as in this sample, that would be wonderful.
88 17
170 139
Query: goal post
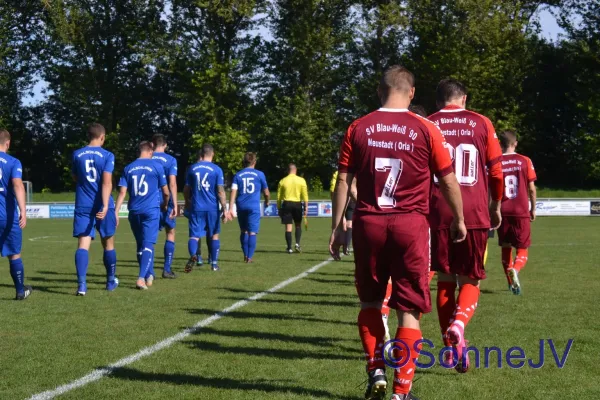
28 191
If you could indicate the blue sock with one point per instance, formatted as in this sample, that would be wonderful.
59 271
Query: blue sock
146 259
244 242
251 245
169 250
215 247
81 264
199 251
192 247
151 267
110 263
18 274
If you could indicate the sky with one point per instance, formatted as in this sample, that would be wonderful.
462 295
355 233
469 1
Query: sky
550 31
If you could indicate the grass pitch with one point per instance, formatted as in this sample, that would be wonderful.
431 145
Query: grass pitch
298 343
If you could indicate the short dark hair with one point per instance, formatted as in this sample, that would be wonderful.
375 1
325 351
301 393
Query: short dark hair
207 149
396 78
508 139
449 89
158 139
417 109
95 130
249 159
4 136
145 146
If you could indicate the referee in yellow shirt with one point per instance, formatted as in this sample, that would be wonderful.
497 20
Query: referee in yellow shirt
292 192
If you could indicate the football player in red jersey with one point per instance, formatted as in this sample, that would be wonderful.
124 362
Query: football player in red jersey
393 154
518 209
473 145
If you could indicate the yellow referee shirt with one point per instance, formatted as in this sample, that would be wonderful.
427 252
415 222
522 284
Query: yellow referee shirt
292 188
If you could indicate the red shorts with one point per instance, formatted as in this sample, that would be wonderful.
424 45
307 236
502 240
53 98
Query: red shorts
396 246
515 231
464 258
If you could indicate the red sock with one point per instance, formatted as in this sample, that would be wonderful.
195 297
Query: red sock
403 376
431 275
372 334
446 305
521 259
507 261
468 295
385 310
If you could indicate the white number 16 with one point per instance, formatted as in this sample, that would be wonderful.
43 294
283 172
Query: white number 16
394 167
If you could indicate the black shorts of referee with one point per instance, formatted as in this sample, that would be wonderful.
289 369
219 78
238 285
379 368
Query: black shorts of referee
291 212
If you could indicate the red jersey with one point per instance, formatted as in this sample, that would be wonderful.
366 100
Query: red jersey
518 172
473 146
392 153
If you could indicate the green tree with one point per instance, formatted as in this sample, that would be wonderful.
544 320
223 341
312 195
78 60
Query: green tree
99 68
211 58
305 70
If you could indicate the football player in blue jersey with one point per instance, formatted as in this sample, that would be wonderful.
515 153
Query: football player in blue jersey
167 218
247 186
204 192
92 170
145 181
13 215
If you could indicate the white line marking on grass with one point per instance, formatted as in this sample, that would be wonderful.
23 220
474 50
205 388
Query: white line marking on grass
39 238
168 342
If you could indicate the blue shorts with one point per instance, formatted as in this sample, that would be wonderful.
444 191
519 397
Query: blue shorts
165 221
11 237
204 223
85 223
144 225
249 220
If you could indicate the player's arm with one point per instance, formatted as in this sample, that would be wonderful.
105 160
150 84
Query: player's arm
279 195
232 198
304 194
496 177
173 191
165 197
223 201
354 190
267 196
340 200
186 197
106 191
19 189
532 199
451 191
120 199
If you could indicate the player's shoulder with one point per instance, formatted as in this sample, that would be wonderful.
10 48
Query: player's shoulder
524 158
106 153
427 122
9 160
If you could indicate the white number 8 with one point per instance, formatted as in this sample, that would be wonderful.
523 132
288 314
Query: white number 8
511 186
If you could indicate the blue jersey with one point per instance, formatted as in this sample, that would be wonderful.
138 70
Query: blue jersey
203 178
249 183
10 168
143 179
89 163
169 164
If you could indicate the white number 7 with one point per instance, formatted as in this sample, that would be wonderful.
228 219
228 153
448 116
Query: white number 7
394 166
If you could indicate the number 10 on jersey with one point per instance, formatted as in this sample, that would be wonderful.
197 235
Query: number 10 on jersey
393 167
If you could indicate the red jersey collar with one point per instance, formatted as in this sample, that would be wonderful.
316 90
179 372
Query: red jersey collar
452 108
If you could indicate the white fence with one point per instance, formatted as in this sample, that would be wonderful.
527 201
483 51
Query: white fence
544 207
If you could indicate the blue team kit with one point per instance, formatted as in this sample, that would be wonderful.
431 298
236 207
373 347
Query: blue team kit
249 183
88 166
10 232
203 178
169 163
143 178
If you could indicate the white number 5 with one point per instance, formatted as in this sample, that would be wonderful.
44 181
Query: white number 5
92 175
394 167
